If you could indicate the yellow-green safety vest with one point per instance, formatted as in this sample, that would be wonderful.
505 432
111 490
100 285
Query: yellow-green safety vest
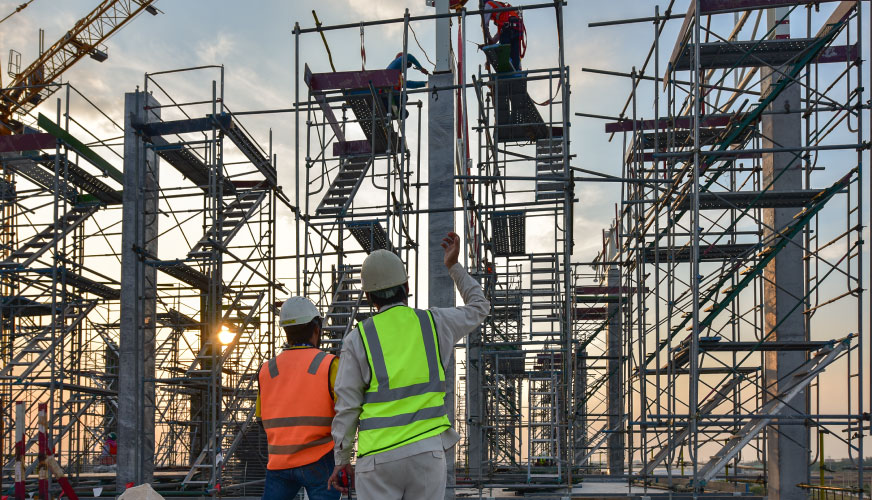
405 400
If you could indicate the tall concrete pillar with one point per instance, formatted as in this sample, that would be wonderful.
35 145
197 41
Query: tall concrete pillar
788 445
614 382
136 396
440 198
580 408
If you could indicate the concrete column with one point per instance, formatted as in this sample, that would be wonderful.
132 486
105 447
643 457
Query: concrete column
614 382
440 135
580 408
474 407
136 398
788 445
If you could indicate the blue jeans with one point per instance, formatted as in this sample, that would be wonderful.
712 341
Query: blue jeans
284 484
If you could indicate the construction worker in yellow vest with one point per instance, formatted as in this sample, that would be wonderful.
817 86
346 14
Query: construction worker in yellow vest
390 389
295 405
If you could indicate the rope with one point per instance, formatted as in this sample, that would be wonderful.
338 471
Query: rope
324 39
415 35
362 50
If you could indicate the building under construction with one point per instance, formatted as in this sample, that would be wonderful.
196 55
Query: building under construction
715 345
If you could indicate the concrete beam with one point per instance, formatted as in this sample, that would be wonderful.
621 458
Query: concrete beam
136 392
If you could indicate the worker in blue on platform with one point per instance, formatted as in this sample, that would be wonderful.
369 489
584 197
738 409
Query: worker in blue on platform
397 64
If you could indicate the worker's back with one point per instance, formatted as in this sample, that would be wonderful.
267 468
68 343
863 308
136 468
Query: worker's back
404 402
296 407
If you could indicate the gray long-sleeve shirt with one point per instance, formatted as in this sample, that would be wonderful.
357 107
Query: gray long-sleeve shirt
452 324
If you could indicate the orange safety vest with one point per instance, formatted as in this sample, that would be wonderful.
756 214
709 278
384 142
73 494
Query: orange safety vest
296 407
501 18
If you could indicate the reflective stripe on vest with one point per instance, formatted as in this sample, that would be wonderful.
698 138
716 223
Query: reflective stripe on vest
298 427
405 403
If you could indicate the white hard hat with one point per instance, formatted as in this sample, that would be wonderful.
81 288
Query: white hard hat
381 270
298 311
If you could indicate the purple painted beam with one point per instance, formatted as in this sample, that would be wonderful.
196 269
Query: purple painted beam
26 142
351 148
685 122
596 290
352 80
722 6
839 53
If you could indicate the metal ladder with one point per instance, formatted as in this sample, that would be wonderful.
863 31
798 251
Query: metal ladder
543 431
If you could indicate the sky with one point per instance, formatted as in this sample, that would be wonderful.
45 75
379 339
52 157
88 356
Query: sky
254 42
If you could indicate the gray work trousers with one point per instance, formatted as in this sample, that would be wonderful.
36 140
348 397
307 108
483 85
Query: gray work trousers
419 477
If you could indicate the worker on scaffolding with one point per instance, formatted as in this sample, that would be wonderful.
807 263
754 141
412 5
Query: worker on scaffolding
295 404
510 32
397 64
390 389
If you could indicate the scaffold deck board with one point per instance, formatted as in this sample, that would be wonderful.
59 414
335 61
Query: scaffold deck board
188 164
707 253
509 233
711 200
80 178
30 170
251 150
370 234
677 139
722 55
185 274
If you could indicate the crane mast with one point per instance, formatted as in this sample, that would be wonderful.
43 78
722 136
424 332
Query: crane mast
32 86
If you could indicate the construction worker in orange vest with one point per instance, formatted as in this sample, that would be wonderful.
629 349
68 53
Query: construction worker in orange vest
510 29
295 405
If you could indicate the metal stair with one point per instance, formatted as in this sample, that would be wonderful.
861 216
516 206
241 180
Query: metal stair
41 344
346 308
45 239
549 165
802 377
344 186
235 214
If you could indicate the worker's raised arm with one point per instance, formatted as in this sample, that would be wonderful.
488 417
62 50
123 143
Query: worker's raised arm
453 323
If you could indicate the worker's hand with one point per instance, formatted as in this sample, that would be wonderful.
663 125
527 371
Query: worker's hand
336 483
451 245
424 70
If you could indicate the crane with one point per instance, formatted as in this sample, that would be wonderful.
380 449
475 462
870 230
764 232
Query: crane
31 86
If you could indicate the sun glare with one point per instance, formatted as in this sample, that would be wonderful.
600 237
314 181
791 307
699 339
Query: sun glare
225 336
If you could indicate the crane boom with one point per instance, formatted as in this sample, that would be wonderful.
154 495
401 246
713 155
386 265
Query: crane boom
30 87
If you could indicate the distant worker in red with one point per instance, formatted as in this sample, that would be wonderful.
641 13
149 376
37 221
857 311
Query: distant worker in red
296 407
110 450
510 29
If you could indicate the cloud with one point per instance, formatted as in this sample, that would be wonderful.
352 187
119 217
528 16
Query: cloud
217 51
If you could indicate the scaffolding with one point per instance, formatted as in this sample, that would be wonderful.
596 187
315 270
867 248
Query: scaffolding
98 320
730 287
60 281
